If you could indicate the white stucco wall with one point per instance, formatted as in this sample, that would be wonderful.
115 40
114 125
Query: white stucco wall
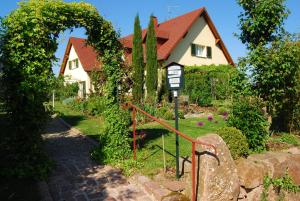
77 74
201 34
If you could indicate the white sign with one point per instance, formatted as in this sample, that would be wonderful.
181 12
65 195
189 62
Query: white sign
174 76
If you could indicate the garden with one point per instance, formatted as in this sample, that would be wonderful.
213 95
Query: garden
254 106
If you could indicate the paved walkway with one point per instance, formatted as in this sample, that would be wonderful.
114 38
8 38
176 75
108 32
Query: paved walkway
76 177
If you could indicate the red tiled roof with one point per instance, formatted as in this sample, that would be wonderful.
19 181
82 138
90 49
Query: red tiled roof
174 30
86 54
168 33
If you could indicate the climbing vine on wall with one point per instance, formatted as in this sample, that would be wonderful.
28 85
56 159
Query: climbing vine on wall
28 42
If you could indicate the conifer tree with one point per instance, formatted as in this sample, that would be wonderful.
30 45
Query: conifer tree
137 62
151 61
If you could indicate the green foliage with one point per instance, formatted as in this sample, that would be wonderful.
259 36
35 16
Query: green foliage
137 62
28 42
98 81
222 110
94 105
289 138
151 62
261 21
276 71
235 140
273 61
284 183
129 166
114 140
248 116
64 90
206 83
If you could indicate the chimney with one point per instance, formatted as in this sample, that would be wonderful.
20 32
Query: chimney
155 21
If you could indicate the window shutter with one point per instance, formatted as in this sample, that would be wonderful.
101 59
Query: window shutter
193 48
208 52
70 65
76 63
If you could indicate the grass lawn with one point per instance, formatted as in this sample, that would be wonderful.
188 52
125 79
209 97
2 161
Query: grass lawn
150 152
91 126
150 148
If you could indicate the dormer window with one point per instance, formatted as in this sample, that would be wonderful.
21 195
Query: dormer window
201 51
73 64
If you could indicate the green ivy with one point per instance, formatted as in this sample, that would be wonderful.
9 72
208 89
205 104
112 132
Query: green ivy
284 183
28 43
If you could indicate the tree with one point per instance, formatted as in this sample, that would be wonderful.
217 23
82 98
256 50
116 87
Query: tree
276 71
137 62
273 60
262 21
151 62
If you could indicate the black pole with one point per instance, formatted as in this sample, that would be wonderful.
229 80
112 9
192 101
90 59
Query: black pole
177 140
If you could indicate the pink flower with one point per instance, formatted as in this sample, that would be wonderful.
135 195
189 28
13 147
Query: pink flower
225 114
209 117
200 123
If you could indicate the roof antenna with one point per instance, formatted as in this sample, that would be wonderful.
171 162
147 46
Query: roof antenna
170 8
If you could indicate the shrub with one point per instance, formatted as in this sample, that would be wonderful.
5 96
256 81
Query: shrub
248 116
64 90
290 139
235 140
169 115
206 83
114 141
222 110
95 105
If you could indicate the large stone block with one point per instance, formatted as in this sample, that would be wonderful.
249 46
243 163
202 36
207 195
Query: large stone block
251 173
217 178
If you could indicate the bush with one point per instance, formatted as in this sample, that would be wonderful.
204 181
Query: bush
65 90
114 140
222 110
248 116
203 84
95 105
290 139
169 115
235 140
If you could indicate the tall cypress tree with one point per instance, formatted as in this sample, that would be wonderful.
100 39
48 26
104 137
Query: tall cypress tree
151 65
137 62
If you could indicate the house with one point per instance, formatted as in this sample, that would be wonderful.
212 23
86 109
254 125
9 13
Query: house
190 39
78 63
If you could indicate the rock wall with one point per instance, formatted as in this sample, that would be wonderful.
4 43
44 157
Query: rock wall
222 179
252 170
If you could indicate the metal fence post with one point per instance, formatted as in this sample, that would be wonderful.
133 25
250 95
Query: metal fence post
193 172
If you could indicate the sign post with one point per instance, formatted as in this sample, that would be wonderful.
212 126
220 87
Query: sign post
175 81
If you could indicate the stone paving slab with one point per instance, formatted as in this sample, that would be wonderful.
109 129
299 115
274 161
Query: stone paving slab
76 177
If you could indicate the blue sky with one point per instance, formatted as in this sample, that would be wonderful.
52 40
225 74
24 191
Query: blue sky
122 12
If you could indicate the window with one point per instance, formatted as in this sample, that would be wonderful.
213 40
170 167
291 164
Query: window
76 63
201 51
73 64
70 65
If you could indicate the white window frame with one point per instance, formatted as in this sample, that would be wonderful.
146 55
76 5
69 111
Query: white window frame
200 50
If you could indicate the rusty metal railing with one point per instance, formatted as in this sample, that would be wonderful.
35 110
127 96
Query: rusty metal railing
193 141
